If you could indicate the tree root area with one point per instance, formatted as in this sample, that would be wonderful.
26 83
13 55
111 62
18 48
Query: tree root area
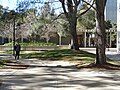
106 66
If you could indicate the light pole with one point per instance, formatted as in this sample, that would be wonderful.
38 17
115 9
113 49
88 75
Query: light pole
14 16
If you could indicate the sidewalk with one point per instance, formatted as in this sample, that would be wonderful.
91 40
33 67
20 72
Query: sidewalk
58 75
112 53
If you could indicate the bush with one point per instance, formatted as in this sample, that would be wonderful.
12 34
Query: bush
32 44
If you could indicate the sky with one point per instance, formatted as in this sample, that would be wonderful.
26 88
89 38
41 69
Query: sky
12 4
8 3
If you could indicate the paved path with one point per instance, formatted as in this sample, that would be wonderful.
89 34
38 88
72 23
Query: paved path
112 53
46 75
57 75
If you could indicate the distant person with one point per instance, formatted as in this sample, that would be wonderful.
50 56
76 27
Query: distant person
17 48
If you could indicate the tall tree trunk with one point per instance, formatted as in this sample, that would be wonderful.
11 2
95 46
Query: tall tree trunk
60 40
100 32
73 23
71 14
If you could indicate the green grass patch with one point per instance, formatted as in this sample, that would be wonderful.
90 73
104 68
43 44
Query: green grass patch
66 54
6 52
114 62
2 62
81 57
32 44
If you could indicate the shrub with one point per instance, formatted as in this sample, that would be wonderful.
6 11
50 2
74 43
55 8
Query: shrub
32 44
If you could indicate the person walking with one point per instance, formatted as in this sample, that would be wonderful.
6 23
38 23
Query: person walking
17 49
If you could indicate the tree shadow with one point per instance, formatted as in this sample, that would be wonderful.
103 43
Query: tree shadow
57 77
114 56
107 66
61 77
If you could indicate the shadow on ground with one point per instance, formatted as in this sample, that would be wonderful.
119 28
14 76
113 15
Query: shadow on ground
62 78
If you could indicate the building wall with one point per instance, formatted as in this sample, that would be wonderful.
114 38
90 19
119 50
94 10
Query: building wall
111 10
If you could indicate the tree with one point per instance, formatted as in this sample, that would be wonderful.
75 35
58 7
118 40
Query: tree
72 19
71 14
87 21
7 24
25 21
108 24
70 8
43 27
47 18
61 26
21 24
100 32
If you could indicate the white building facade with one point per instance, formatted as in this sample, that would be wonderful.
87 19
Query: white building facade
112 13
118 26
111 10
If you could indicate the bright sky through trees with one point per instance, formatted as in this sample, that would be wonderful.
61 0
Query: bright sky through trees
12 4
8 3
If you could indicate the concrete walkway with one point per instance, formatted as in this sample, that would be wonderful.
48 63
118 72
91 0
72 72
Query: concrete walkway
57 75
52 76
111 53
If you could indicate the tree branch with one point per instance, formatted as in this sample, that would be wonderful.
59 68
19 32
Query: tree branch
87 9
58 16
63 5
90 4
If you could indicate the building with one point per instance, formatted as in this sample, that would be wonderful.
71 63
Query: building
118 26
111 10
113 13
86 38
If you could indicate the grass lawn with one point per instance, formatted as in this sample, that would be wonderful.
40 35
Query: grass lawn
65 54
81 58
